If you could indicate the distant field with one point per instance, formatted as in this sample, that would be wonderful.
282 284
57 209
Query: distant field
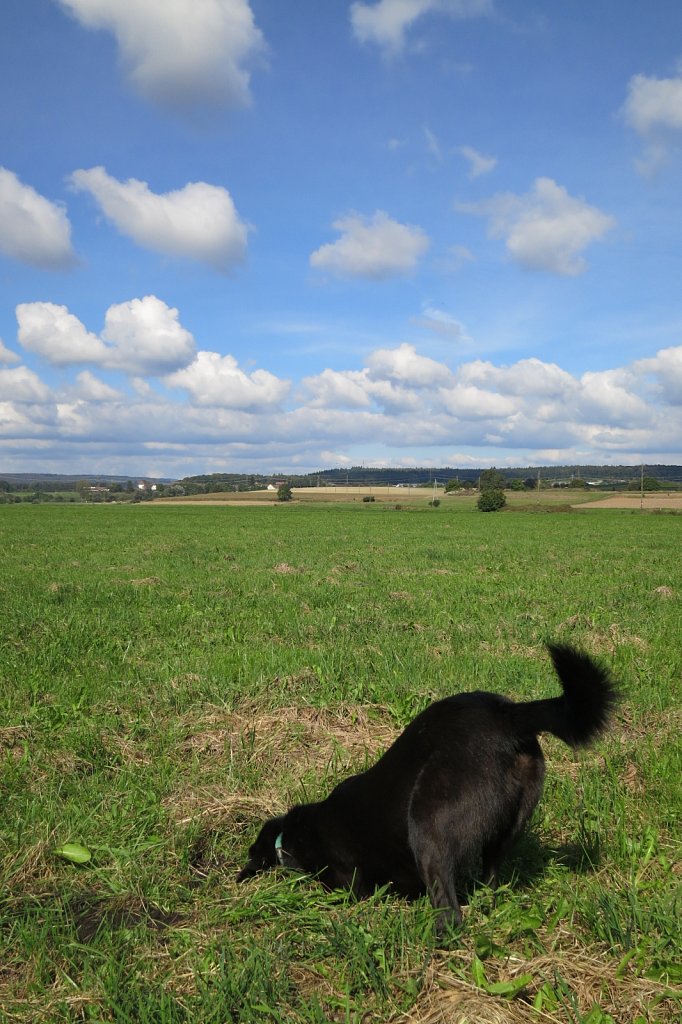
516 500
170 676
660 500
388 496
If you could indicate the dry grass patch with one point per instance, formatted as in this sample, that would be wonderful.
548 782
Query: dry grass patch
284 569
30 870
598 640
658 727
534 652
272 735
576 979
290 740
13 740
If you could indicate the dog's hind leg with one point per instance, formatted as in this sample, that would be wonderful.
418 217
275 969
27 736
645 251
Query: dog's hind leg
437 842
439 880
529 772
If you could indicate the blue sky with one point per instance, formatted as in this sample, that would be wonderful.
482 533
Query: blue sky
269 236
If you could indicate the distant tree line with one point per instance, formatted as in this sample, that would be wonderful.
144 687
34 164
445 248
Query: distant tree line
69 491
54 487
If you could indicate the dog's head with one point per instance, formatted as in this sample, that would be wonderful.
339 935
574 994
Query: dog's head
282 842
263 854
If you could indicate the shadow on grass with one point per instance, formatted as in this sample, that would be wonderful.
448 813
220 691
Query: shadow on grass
531 858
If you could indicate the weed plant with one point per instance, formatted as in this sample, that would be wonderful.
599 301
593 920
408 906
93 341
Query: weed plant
170 676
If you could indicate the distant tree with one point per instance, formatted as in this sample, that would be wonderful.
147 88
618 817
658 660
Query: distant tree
454 485
491 480
516 484
530 483
578 482
491 500
284 492
648 483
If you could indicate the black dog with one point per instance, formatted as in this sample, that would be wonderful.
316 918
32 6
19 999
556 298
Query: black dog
452 793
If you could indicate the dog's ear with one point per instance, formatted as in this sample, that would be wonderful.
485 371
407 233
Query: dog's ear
263 854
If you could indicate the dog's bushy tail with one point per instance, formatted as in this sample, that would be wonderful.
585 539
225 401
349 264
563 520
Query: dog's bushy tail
584 710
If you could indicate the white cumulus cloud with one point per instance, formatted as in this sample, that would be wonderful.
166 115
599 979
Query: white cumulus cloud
362 389
654 109
22 385
530 377
333 389
142 337
55 334
7 356
215 380
665 371
376 247
610 397
386 22
406 366
545 229
33 230
145 337
199 221
394 401
654 103
92 389
468 402
181 54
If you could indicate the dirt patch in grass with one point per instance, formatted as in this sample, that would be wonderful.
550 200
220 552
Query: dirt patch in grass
90 914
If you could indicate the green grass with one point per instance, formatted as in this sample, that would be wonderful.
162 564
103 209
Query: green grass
172 675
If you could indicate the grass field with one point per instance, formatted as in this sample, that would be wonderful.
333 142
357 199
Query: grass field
172 675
